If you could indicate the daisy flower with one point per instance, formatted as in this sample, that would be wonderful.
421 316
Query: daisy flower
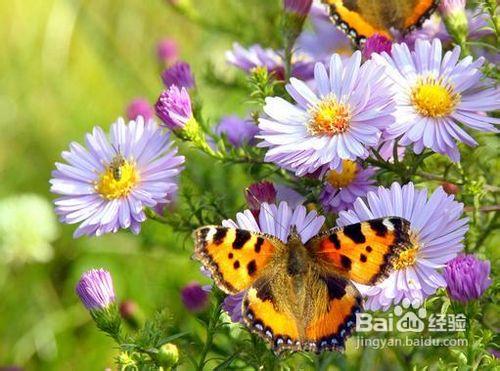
272 60
342 188
436 229
107 185
340 121
434 93
277 221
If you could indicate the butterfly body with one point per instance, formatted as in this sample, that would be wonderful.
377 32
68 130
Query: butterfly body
360 19
299 296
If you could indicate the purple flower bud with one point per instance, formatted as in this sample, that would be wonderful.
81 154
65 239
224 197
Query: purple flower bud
167 51
174 107
299 7
178 74
139 107
376 44
449 7
467 277
95 289
260 192
237 130
232 305
194 297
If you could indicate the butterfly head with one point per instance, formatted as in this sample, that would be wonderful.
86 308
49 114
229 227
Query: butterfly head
294 235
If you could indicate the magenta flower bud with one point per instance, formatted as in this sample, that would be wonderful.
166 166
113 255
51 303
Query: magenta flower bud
174 108
376 44
178 74
95 289
450 7
139 107
194 297
467 277
238 131
299 7
260 192
167 51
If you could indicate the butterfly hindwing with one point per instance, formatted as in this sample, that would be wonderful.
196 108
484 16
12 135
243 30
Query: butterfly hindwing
235 257
318 316
266 314
360 19
336 302
363 252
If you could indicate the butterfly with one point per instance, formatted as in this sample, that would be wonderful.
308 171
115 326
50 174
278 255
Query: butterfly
299 296
360 19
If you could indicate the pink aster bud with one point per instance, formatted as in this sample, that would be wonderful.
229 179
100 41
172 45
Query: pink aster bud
299 7
194 297
260 192
455 20
131 313
174 108
178 74
167 51
95 289
139 107
450 188
376 44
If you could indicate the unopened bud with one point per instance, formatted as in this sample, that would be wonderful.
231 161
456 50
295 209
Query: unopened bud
168 355
450 188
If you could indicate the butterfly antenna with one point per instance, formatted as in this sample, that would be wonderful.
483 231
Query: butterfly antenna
265 209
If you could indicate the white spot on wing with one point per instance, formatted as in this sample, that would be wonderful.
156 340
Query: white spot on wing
388 224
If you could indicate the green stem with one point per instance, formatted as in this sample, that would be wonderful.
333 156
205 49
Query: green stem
211 329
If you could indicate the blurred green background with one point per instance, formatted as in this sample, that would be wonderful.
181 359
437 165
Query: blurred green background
65 66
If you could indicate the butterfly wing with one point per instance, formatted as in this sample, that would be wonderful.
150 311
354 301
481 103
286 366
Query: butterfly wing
317 317
360 19
363 252
234 257
269 314
335 301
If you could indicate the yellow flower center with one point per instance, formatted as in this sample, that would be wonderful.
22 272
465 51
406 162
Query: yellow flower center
434 98
118 179
345 177
329 117
409 257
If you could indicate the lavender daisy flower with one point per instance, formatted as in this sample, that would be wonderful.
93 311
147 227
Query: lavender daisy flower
178 74
107 185
257 56
174 108
308 225
95 289
194 297
346 116
467 277
436 231
167 51
434 93
342 188
139 107
324 39
238 131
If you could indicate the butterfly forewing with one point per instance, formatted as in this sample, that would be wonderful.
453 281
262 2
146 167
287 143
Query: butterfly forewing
235 257
363 252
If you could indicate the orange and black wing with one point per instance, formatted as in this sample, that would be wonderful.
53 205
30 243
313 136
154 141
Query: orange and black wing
364 252
360 19
321 318
267 314
336 302
234 257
